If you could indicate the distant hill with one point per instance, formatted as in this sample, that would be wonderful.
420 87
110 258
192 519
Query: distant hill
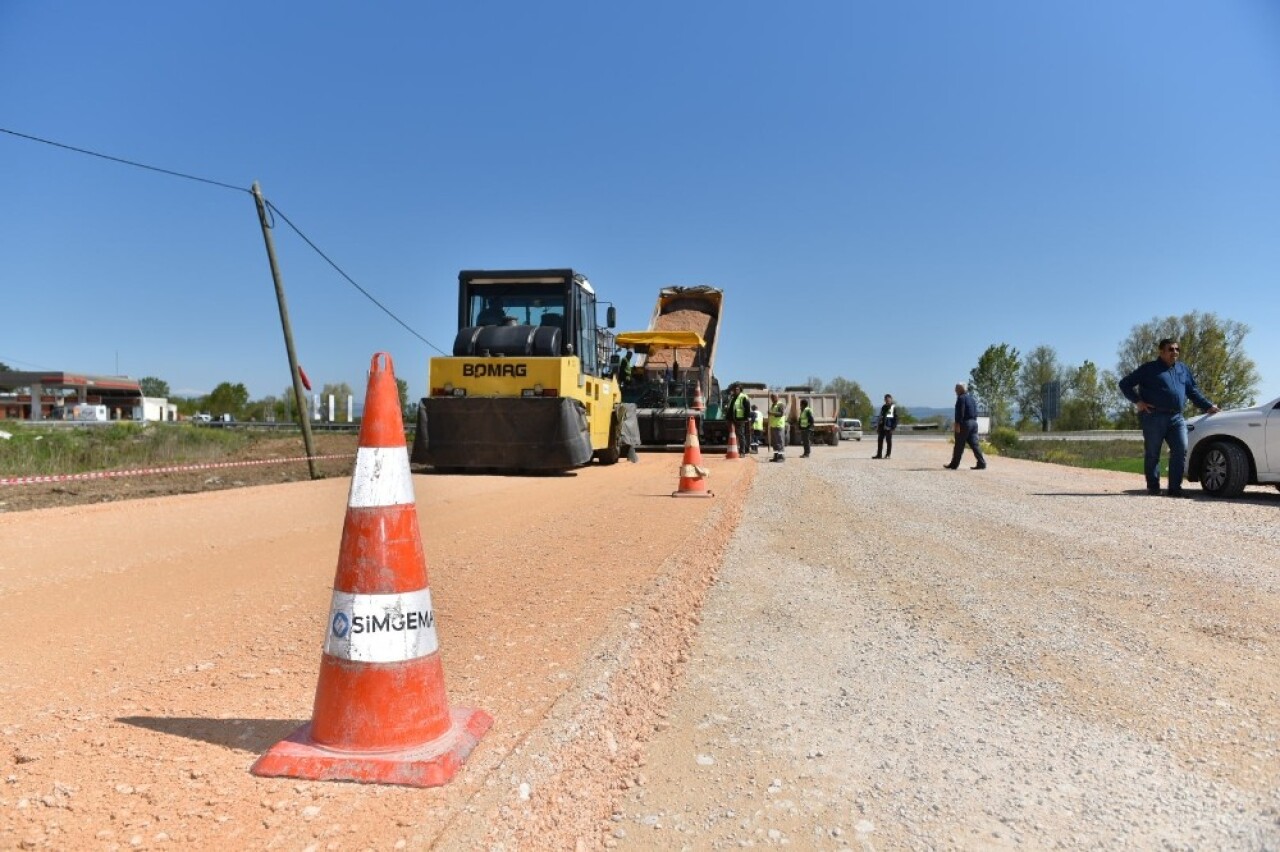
923 413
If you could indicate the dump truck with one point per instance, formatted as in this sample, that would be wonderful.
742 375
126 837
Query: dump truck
526 388
826 415
675 358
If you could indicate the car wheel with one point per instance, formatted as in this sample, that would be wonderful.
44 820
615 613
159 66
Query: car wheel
1226 470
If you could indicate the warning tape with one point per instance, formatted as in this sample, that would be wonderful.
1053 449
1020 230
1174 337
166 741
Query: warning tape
112 474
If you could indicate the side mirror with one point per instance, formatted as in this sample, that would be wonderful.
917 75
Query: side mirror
611 317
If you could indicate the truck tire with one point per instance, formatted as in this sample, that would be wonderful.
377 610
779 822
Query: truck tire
1226 469
833 438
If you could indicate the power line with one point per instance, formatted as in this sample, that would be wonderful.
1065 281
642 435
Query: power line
122 160
11 361
277 211
218 183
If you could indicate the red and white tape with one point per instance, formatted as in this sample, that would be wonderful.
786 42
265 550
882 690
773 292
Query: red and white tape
112 474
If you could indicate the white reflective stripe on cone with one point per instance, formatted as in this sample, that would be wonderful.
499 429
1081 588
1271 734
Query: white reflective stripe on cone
381 478
381 628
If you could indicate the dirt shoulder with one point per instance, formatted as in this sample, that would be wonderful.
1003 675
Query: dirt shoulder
158 646
267 460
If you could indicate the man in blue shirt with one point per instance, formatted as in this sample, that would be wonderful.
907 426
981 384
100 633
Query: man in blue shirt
1160 389
966 429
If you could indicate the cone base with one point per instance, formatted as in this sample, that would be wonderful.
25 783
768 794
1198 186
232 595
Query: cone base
692 494
431 764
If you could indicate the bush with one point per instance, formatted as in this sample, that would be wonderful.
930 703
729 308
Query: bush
1121 454
36 450
1003 438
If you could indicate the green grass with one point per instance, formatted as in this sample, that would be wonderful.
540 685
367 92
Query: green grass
1118 455
34 450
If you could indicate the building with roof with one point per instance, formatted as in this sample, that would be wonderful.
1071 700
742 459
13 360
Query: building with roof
65 396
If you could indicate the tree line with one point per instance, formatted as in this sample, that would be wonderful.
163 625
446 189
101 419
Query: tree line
233 398
1037 391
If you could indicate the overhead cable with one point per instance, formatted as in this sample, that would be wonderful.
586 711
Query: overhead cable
278 212
219 183
122 160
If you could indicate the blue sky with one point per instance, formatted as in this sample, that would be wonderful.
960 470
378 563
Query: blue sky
882 189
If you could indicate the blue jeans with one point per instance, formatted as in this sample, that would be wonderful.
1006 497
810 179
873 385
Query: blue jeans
1162 428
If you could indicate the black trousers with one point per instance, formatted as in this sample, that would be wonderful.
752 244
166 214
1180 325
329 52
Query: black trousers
884 443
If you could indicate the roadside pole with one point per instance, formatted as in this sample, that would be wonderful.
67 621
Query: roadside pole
303 417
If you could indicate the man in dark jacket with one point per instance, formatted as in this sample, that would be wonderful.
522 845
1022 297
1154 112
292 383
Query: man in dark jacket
1160 389
966 429
884 428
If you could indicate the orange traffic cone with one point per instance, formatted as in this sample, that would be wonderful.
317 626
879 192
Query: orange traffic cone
380 714
693 476
698 404
732 452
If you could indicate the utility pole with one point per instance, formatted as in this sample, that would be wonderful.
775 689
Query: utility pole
303 417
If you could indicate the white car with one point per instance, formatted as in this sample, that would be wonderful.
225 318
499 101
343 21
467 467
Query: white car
1231 449
850 429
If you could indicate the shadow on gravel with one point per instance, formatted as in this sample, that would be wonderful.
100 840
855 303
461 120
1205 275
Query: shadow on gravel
1248 498
1193 496
251 735
1088 493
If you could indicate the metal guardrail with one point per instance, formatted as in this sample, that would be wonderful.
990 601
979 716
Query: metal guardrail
267 425
1090 435
216 424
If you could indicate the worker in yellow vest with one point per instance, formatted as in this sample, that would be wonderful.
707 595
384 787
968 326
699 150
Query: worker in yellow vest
777 427
624 368
741 417
806 427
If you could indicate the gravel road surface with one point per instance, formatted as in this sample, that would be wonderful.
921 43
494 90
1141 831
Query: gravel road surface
898 656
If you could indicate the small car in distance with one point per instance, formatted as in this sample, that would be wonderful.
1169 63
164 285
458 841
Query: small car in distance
1231 449
850 429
